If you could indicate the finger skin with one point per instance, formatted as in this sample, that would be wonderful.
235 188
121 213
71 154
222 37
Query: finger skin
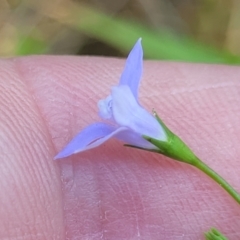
30 198
114 192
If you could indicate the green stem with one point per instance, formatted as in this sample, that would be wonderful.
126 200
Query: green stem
176 149
212 174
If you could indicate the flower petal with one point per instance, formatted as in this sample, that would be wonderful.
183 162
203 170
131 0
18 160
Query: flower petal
128 113
133 69
132 138
90 137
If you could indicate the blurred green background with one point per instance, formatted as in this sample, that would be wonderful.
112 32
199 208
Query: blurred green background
181 30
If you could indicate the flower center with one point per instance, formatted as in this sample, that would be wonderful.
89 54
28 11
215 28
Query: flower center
105 107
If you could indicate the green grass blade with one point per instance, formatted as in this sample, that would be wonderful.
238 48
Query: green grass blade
122 34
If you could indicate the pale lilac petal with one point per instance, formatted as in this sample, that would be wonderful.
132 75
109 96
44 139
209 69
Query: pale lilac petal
128 113
90 137
133 69
132 138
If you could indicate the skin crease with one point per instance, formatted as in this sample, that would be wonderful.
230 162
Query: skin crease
113 192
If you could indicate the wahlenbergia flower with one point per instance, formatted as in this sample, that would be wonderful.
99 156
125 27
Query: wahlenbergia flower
129 121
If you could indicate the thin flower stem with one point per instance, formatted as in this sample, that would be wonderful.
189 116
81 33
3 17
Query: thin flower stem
217 178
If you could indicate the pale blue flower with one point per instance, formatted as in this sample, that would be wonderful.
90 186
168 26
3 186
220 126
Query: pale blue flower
129 121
